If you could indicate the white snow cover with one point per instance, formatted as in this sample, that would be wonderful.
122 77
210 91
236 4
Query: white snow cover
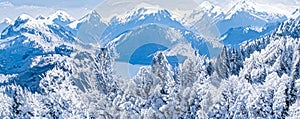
260 79
255 8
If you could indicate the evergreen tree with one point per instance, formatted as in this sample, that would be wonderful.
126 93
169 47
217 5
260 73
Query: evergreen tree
223 64
104 75
236 62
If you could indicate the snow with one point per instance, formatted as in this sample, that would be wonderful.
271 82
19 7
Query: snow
205 8
24 17
208 6
140 10
173 35
46 72
253 8
5 23
6 20
89 28
60 15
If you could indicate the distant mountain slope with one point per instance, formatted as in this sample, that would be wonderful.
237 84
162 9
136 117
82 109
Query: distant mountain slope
89 28
245 22
137 18
134 46
4 23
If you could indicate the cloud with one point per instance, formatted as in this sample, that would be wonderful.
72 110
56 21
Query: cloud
13 8
280 4
77 8
111 7
6 4
56 3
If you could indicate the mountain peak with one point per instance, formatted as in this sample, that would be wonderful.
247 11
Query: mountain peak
206 5
241 6
91 15
95 13
61 13
24 17
41 17
210 8
61 17
140 12
261 11
148 10
6 21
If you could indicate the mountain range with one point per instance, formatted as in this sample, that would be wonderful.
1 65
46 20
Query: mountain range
150 63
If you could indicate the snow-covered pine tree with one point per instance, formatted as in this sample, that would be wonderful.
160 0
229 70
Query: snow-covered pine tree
192 69
296 69
20 106
262 107
235 62
163 70
63 96
222 66
243 93
151 93
224 106
194 98
105 76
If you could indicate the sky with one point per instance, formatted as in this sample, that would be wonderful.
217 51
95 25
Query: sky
78 8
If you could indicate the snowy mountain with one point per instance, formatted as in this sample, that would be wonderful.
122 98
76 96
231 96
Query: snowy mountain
234 36
138 46
290 28
25 24
202 19
243 16
205 9
4 23
27 42
138 17
253 9
61 18
89 28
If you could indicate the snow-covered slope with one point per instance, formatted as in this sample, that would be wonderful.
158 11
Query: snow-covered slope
25 24
234 36
26 47
247 15
205 9
61 18
136 18
89 28
202 19
138 46
277 52
4 23
289 29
